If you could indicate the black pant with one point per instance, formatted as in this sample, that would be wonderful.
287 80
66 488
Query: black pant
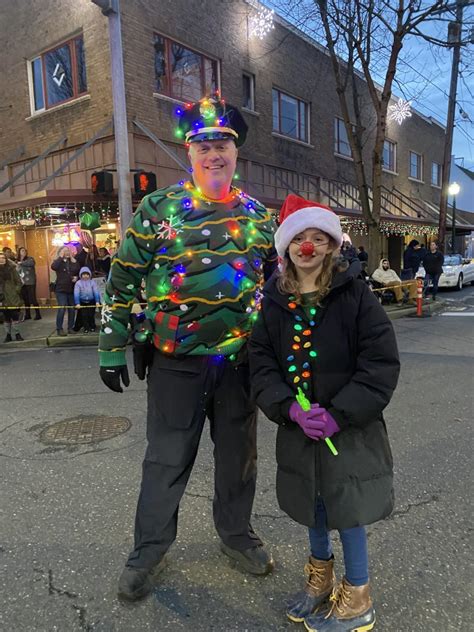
181 392
87 314
28 294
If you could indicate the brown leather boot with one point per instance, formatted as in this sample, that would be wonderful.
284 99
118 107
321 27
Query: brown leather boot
319 585
351 611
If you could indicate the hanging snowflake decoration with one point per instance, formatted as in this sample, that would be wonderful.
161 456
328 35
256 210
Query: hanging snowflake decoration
400 111
261 23
106 314
169 228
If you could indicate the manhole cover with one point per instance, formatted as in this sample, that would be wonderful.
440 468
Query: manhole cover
84 429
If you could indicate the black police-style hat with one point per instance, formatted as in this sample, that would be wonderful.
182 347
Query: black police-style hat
211 119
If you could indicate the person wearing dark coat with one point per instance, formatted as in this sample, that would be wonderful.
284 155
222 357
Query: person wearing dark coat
412 258
26 268
10 298
67 271
322 330
433 265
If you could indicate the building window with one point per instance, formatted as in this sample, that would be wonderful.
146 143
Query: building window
389 156
435 174
416 166
341 141
290 116
58 75
181 73
248 91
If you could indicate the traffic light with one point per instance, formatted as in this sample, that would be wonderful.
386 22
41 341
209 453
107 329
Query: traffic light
145 182
102 182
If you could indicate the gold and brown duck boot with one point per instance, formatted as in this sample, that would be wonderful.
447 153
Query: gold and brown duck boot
319 585
351 611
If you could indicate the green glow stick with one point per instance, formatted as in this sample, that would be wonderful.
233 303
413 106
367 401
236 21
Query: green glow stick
305 404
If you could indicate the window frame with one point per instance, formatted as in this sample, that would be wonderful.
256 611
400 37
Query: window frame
168 44
439 172
77 94
410 176
307 117
394 144
251 78
338 120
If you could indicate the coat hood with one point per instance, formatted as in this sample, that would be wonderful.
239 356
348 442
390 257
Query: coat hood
85 269
381 263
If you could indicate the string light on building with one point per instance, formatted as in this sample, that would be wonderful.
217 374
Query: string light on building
400 111
261 23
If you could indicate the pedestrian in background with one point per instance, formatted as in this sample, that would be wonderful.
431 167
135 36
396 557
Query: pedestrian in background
27 270
347 249
362 254
103 261
322 330
412 258
67 270
433 265
10 296
8 252
87 298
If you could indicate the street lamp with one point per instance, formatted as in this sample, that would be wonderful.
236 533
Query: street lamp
453 190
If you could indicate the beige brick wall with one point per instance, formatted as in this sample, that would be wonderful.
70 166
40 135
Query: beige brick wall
26 29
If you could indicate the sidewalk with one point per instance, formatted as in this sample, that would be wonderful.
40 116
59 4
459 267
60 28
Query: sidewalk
42 333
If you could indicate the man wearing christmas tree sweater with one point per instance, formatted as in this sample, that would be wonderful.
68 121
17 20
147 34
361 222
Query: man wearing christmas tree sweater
201 247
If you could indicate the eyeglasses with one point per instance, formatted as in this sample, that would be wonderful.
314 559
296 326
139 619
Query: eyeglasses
317 241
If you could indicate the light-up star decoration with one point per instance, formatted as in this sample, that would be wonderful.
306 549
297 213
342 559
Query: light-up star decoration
400 111
261 23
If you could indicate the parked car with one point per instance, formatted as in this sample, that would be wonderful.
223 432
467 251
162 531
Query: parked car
456 272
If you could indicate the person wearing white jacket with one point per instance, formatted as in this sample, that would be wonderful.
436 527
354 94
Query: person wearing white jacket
388 277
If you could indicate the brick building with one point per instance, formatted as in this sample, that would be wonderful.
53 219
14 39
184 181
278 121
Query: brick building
56 92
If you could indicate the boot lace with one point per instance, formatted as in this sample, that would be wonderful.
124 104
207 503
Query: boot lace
339 600
315 576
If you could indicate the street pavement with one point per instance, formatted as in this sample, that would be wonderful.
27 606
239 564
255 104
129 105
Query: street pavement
66 514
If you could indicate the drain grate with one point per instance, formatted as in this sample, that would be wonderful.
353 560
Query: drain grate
84 429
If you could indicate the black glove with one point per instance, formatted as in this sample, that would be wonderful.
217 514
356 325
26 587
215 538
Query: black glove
110 376
142 359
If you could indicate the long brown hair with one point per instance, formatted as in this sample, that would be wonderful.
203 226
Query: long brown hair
288 283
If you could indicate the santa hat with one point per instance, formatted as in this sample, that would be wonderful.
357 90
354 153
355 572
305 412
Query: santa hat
298 214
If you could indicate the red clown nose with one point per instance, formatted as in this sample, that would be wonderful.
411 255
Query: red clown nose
307 248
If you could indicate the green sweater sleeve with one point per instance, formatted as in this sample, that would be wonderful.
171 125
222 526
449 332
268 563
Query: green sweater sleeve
129 266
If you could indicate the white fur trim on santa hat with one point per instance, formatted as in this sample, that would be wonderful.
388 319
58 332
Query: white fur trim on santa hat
309 217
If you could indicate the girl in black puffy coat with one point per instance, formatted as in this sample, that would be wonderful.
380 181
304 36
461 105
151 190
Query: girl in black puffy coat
321 330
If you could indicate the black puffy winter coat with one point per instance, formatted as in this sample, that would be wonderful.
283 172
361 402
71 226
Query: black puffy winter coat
353 376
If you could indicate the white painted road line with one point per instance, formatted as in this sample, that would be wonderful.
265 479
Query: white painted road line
457 314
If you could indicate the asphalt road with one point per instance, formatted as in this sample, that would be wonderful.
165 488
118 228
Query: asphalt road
66 515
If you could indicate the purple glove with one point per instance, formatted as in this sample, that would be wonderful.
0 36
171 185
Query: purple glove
313 428
321 414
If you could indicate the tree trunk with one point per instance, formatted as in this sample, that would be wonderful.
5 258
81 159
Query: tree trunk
375 247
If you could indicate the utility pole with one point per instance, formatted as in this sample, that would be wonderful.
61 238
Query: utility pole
454 36
111 8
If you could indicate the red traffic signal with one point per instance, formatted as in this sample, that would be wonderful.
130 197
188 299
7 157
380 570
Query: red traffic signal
102 182
145 182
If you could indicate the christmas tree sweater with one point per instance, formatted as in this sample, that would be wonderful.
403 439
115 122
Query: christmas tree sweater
202 261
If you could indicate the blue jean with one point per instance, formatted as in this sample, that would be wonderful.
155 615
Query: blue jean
434 278
354 546
65 299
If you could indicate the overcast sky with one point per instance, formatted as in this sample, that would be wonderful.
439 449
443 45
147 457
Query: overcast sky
424 73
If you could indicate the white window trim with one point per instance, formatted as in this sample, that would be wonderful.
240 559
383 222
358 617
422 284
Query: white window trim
31 87
410 177
416 180
307 114
292 140
337 153
343 156
395 157
253 112
436 186
60 106
252 90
